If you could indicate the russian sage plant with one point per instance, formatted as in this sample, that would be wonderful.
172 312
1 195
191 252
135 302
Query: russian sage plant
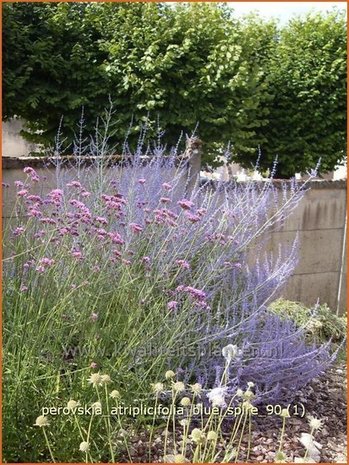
133 268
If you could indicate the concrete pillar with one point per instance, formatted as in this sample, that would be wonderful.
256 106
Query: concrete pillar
193 153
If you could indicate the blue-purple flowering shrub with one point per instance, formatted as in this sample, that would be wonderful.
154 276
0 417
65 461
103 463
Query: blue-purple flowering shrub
131 268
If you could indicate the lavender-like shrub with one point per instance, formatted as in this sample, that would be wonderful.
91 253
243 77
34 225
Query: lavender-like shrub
132 268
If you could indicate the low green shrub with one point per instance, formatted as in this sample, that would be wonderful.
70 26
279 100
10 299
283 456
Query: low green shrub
319 321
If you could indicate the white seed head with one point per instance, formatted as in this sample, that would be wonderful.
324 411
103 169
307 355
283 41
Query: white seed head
115 394
217 397
315 423
84 446
196 388
170 374
230 352
178 386
239 392
248 395
212 436
41 421
185 402
72 404
197 435
250 384
157 388
105 379
95 379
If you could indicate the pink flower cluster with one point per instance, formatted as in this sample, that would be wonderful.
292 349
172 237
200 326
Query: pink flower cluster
114 204
136 228
71 216
56 197
164 216
183 264
198 295
172 305
31 173
185 204
18 231
44 263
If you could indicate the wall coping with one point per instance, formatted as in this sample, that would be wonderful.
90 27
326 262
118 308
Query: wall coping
9 163
313 184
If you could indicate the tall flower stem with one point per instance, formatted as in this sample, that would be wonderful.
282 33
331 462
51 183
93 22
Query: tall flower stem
152 428
48 445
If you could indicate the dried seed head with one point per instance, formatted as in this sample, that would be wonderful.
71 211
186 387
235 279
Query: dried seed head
95 379
115 394
185 402
170 374
42 421
84 446
178 386
72 404
212 436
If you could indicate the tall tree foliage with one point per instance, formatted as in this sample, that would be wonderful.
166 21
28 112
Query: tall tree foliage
243 81
307 78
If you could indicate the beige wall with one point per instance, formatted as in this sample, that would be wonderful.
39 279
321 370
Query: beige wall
320 222
13 144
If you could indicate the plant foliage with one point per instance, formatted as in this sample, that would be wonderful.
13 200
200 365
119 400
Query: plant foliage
133 270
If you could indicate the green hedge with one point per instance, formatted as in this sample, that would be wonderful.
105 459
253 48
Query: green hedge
245 81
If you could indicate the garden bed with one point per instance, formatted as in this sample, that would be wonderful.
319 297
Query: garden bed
119 274
324 397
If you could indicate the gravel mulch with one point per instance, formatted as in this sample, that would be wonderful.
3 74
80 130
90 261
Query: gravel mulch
324 398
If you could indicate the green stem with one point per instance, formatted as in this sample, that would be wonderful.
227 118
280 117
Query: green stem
125 440
249 436
152 427
48 445
108 425
174 395
240 440
282 433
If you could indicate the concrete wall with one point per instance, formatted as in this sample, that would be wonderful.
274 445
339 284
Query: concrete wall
13 144
319 220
